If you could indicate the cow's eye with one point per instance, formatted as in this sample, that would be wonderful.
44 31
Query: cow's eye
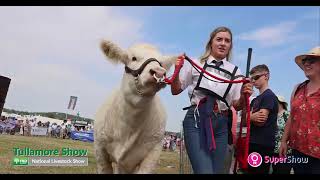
134 58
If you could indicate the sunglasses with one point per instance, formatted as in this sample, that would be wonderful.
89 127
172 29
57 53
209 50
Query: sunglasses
256 77
310 60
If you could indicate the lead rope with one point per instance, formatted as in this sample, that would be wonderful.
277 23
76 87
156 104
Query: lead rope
178 67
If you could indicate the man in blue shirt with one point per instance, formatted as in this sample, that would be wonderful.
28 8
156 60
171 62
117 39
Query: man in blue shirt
264 110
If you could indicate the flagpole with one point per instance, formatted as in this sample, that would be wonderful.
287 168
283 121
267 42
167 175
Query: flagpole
66 112
72 105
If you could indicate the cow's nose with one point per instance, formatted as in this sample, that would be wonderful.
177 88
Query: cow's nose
158 71
152 72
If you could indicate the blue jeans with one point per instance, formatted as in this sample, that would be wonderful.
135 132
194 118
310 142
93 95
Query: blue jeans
203 161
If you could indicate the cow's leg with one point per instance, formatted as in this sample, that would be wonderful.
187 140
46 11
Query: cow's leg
118 169
104 164
150 161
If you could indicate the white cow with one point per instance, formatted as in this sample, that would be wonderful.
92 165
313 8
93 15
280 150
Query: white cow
130 125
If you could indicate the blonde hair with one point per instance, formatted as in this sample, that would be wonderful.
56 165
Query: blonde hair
207 52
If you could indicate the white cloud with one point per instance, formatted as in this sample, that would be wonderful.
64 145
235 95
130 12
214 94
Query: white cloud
51 53
271 35
46 87
74 32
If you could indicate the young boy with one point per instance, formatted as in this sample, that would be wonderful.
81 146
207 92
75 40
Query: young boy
264 110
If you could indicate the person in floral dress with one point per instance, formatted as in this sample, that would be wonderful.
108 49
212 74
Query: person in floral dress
283 115
302 129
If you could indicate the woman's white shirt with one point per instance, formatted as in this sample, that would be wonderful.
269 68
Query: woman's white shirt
189 78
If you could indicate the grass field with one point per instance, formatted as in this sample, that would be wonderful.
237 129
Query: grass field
168 163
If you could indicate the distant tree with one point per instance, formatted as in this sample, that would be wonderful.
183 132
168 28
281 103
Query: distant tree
51 115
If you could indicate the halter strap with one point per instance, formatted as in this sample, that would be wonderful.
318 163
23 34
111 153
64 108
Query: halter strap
138 71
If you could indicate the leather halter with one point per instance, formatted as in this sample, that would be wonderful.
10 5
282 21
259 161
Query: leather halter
138 71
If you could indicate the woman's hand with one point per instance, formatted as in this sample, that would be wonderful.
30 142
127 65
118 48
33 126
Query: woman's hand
247 88
283 149
176 84
180 61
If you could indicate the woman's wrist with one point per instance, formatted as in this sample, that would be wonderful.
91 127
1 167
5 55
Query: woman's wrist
284 140
241 101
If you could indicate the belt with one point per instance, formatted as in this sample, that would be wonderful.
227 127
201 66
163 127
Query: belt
223 112
188 107
215 110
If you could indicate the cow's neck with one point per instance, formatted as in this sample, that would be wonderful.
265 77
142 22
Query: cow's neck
132 97
134 104
135 109
136 101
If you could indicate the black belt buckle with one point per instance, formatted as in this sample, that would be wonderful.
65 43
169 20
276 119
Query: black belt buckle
223 112
188 107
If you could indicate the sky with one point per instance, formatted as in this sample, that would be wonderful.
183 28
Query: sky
52 53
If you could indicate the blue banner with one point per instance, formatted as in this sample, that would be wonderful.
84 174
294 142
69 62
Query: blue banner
82 136
8 125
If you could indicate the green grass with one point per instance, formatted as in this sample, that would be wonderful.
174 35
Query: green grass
168 163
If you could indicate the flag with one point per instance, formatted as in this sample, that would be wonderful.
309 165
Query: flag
72 102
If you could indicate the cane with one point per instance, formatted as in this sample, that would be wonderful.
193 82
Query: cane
243 117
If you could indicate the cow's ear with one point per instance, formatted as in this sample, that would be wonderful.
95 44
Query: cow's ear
114 53
168 61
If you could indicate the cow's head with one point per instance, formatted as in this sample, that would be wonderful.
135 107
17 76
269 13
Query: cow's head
144 65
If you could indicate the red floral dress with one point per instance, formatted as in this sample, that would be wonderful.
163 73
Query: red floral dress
305 122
